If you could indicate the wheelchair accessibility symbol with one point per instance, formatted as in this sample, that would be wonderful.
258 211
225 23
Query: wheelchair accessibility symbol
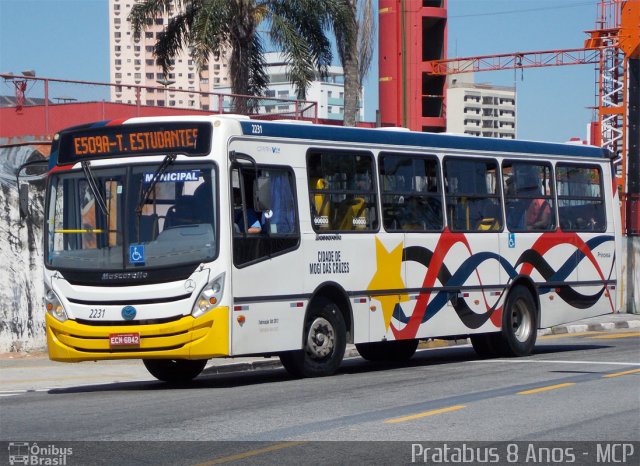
512 240
136 254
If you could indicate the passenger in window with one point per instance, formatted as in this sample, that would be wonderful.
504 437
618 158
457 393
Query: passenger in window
253 218
538 215
412 215
585 224
586 219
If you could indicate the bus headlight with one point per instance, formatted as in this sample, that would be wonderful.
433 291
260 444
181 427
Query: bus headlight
54 306
210 296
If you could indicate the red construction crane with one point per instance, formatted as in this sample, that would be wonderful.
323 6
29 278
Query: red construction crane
610 46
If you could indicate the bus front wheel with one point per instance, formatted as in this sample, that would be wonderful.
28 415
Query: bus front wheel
325 340
175 370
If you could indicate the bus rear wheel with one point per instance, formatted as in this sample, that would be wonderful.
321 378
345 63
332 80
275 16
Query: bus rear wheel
175 370
519 324
398 350
325 340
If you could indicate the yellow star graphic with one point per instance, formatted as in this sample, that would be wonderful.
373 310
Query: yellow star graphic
388 276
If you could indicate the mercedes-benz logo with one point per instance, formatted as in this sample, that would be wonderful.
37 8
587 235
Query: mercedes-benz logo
189 285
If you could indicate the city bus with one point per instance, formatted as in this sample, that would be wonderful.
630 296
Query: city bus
178 239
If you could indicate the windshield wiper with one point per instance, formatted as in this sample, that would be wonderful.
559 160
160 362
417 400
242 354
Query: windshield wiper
93 186
168 160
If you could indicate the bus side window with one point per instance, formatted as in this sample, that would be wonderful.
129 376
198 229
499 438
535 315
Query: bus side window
267 233
342 194
580 198
411 194
473 198
528 195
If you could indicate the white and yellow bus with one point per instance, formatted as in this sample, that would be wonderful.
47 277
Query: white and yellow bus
176 240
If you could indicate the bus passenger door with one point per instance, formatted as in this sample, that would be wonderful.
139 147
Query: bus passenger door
268 306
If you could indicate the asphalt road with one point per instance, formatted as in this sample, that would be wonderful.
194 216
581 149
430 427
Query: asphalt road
575 388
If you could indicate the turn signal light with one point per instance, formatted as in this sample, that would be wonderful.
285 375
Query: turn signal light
54 306
209 297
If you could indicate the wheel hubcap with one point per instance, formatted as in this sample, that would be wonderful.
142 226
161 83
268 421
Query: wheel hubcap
321 338
521 321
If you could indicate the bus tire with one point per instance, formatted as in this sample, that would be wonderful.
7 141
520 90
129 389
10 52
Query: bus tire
484 344
519 324
325 340
397 350
175 370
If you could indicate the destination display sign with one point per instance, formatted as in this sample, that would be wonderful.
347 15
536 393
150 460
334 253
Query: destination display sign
135 140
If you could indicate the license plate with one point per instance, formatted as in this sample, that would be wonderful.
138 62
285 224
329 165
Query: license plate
124 339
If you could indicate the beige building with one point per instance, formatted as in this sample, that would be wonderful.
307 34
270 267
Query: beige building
480 109
132 63
327 92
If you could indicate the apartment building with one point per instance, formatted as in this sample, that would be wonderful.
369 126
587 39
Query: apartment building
327 92
132 62
480 109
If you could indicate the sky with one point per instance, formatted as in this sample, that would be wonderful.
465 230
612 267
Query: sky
69 39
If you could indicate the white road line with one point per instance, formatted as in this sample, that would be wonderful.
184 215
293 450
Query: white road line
544 361
22 392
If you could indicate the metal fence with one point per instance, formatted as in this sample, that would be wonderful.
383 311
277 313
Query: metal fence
47 101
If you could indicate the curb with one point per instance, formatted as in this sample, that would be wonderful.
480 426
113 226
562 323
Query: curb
597 327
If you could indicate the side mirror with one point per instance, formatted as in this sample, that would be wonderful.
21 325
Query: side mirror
34 170
262 194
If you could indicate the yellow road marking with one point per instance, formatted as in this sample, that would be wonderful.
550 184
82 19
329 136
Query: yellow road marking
544 389
251 453
425 414
566 335
618 335
618 374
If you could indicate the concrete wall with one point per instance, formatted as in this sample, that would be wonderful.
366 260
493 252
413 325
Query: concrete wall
21 262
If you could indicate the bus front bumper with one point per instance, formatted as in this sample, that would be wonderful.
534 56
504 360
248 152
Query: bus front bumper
203 337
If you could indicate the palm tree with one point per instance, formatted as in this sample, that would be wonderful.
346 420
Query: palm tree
230 28
355 49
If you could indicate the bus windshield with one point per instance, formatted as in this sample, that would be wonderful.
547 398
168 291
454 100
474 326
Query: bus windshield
130 218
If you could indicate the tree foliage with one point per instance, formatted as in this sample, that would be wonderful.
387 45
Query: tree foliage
355 49
230 28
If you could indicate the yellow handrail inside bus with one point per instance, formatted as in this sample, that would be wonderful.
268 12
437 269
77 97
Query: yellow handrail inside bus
90 230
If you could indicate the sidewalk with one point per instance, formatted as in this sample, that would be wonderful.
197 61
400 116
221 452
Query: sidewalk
20 372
